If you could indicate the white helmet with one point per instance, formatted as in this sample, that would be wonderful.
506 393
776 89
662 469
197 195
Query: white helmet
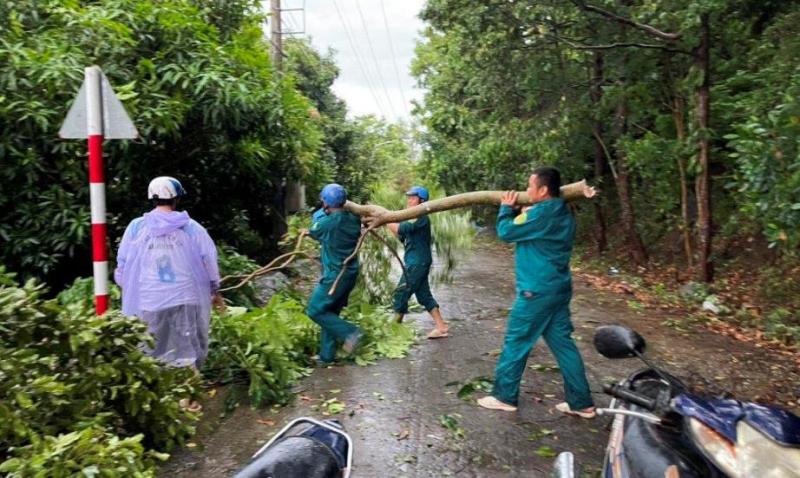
165 187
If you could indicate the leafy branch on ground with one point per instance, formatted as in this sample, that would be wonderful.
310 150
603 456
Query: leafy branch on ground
77 393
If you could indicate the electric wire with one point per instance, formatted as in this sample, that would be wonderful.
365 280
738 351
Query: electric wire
358 58
394 60
375 58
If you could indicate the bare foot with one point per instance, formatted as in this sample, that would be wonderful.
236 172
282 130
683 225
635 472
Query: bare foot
563 407
494 404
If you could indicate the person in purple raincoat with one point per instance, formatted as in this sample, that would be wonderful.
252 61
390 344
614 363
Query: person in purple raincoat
167 270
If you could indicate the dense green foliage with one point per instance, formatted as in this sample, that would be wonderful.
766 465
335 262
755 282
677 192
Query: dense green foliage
77 393
512 85
197 81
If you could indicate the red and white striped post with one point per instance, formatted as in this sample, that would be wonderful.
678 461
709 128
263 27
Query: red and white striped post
97 187
97 114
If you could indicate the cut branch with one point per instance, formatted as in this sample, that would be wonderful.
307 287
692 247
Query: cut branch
350 258
393 251
376 216
271 267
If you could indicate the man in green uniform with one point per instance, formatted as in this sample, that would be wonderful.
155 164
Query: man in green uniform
416 238
543 235
337 231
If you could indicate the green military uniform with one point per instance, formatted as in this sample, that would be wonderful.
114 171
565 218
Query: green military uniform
416 237
338 235
543 236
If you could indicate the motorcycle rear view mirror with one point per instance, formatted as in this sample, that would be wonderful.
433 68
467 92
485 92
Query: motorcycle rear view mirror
618 341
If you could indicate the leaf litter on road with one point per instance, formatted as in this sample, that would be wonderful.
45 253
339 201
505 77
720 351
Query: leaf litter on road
450 422
477 384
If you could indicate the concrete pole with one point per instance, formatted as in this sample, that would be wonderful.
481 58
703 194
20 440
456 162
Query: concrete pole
276 35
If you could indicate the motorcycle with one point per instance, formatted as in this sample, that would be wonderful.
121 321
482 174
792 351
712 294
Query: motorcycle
305 448
662 430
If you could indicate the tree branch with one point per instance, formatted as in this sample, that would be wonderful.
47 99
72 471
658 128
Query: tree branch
609 159
376 216
351 256
666 36
612 46
271 267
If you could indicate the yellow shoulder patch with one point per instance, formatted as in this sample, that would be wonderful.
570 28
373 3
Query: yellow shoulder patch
521 219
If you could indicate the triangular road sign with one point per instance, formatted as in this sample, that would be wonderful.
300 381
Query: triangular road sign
116 123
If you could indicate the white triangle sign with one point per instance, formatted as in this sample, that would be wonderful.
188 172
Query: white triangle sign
115 120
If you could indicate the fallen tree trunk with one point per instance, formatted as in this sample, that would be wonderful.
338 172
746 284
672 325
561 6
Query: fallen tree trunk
376 216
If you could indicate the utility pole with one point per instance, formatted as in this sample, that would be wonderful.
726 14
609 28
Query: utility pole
276 37
294 192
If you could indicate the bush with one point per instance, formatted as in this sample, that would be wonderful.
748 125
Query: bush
92 451
75 389
266 348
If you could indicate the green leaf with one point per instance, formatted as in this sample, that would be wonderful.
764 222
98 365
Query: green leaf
546 452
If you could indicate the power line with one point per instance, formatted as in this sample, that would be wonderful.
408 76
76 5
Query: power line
358 57
294 28
394 59
375 58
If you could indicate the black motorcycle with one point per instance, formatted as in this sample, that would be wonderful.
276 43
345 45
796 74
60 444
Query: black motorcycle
305 448
661 430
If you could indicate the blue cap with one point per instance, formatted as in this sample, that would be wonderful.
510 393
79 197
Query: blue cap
420 192
333 195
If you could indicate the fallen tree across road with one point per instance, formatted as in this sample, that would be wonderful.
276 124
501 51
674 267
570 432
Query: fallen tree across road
375 216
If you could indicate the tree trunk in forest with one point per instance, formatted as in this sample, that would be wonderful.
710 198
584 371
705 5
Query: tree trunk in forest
596 94
622 180
705 270
678 111
378 215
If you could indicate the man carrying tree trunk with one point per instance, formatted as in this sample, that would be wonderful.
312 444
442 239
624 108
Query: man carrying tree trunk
416 237
337 232
543 235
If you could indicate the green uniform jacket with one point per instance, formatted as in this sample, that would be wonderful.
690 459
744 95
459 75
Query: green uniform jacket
416 237
543 236
338 234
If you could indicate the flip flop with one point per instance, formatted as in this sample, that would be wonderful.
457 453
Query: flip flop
437 334
563 407
494 404
190 406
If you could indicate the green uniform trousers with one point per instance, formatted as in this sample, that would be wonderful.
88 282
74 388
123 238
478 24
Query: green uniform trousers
324 309
531 317
414 281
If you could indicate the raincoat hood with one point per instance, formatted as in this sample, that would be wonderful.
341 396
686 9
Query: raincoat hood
163 222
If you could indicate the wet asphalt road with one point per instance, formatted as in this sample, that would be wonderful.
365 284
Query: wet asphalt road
393 409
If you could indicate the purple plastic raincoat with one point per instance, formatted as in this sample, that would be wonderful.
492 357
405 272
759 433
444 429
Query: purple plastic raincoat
167 269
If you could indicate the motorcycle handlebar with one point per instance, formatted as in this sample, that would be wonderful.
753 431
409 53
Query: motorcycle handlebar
630 396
